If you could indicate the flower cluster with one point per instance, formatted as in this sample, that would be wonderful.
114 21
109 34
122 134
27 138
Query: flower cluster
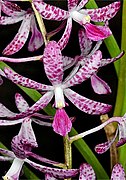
81 67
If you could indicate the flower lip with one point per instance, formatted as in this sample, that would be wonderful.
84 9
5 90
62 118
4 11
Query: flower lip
59 97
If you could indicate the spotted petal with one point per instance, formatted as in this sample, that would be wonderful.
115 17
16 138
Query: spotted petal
21 104
66 35
4 112
18 79
7 152
89 68
10 122
104 14
72 4
53 64
86 105
99 86
118 172
19 40
81 4
68 62
5 20
50 177
50 12
86 172
55 172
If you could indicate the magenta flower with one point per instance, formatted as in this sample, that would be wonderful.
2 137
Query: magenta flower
99 86
53 65
81 16
28 25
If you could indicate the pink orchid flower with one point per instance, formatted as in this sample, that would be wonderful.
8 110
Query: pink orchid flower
99 86
53 65
82 16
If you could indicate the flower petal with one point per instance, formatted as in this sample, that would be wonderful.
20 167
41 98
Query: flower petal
68 62
86 105
50 12
81 4
4 112
21 104
36 40
97 33
21 37
99 86
1 81
18 79
86 71
104 14
40 104
84 42
72 4
7 152
66 35
5 20
3 158
86 172
49 177
61 123
118 172
10 122
58 173
53 63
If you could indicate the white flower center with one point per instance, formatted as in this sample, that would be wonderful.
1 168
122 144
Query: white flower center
59 97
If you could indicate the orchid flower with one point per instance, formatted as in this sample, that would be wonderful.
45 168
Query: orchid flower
22 106
99 86
81 16
53 65
118 173
103 147
28 24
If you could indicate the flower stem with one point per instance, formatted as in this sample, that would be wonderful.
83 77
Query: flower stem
40 23
67 152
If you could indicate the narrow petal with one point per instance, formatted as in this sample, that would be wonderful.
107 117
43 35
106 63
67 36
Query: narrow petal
66 35
105 13
86 172
7 152
4 112
50 12
10 122
97 33
18 79
18 60
99 86
53 63
87 70
61 123
104 62
14 170
72 4
118 172
84 42
49 177
21 37
36 40
3 158
41 123
57 173
103 147
5 20
21 104
81 4
39 105
86 105
68 62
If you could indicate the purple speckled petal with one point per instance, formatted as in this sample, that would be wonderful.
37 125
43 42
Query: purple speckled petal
118 172
105 13
66 35
40 104
36 40
58 173
97 33
5 20
18 60
4 112
68 62
104 62
72 4
84 42
86 105
21 37
99 86
103 147
9 122
61 123
81 4
12 9
50 12
89 68
21 104
53 64
50 177
42 123
7 152
18 79
2 158
86 172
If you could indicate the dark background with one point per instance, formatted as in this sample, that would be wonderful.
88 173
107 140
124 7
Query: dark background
51 144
